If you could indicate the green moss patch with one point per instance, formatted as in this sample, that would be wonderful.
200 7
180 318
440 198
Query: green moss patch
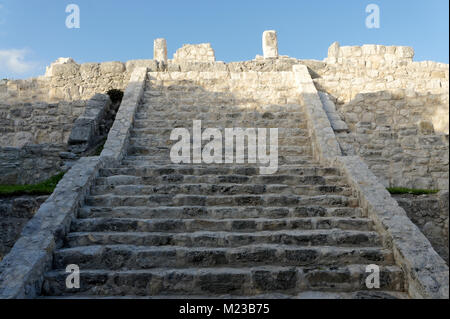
44 188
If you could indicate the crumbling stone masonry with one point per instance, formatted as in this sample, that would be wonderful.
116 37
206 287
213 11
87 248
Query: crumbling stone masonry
224 230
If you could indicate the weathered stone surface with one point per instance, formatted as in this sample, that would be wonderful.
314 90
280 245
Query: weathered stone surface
116 144
427 273
150 227
14 214
336 123
30 164
270 44
216 213
21 271
49 69
430 214
195 53
326 146
112 67
87 128
160 51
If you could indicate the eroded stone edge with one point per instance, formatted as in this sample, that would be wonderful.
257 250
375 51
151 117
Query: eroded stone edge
325 144
22 270
116 145
426 272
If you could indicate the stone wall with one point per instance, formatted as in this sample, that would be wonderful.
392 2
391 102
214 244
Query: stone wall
70 82
22 269
349 71
397 111
253 89
386 100
42 133
73 81
23 123
195 52
396 138
24 91
425 271
30 164
93 125
430 214
15 212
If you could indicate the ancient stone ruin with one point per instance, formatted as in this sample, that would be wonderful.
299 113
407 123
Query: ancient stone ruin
363 119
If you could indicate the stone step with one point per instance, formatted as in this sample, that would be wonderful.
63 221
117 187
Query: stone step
218 281
165 151
284 143
123 257
217 114
219 200
200 170
223 123
166 131
163 104
322 237
233 225
291 180
197 91
221 90
167 84
306 295
157 105
141 160
221 189
218 212
223 96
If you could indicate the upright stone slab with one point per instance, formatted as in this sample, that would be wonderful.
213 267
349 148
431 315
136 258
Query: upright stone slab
160 50
270 44
333 52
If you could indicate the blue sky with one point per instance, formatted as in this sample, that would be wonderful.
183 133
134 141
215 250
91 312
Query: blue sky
33 33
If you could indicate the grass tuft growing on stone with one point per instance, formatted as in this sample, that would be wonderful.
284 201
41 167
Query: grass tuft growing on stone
404 190
44 188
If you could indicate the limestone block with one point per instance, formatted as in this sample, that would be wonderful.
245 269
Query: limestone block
160 50
86 127
346 52
23 138
195 53
112 67
381 49
369 49
133 64
49 69
426 128
55 137
89 70
65 70
438 75
333 50
270 44
405 52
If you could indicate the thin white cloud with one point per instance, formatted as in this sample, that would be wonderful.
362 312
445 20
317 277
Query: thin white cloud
13 62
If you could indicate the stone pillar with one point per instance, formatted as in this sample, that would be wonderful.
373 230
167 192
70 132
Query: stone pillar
270 44
160 50
333 50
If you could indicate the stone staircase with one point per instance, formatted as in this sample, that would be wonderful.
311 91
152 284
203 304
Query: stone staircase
150 228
